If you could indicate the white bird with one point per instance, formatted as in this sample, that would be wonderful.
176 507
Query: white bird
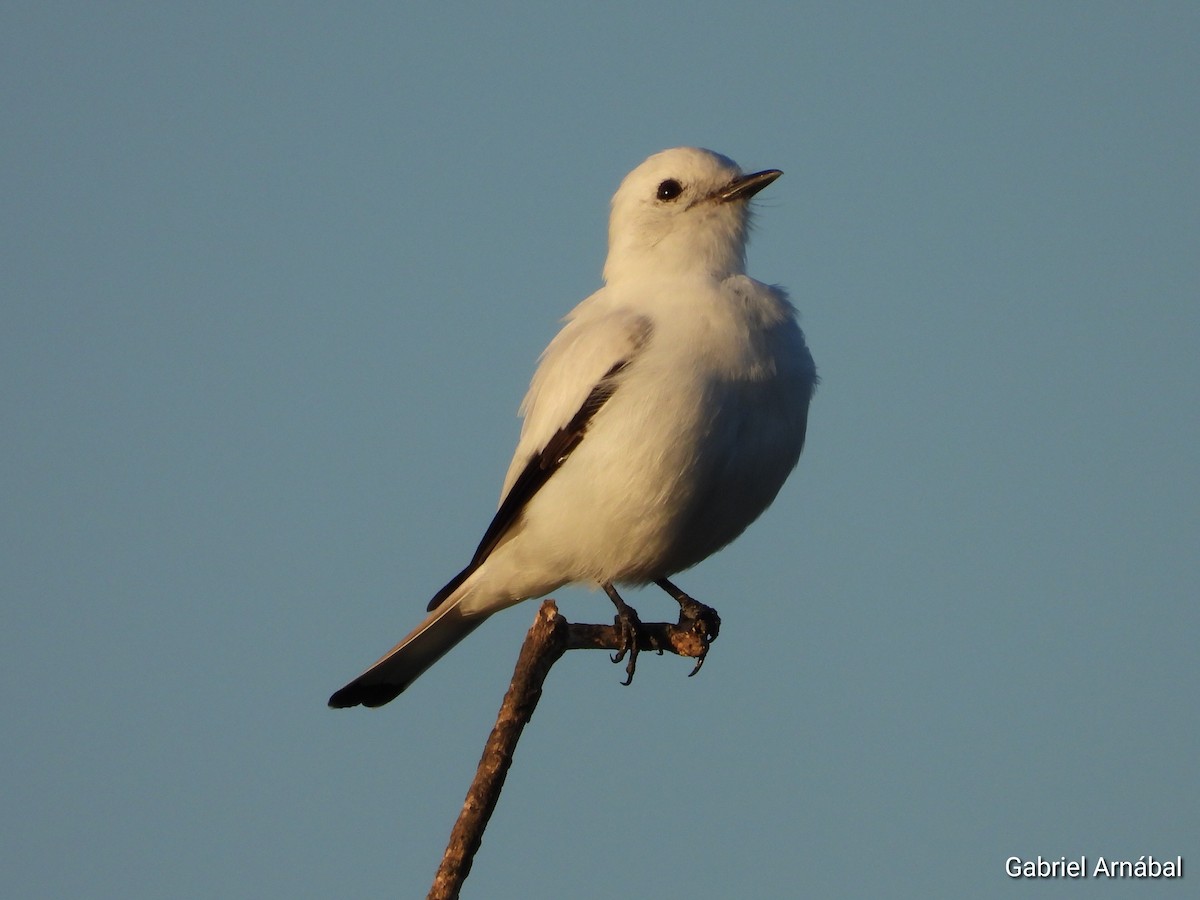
661 421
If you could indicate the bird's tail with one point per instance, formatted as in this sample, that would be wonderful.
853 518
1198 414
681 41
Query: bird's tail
404 663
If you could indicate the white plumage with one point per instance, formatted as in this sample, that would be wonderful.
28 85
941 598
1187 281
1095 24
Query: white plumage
661 421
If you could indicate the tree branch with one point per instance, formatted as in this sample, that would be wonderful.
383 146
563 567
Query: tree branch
548 638
544 644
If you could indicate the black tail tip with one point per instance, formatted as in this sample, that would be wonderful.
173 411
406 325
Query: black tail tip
369 695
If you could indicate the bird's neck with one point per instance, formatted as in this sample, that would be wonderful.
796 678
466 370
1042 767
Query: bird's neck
689 256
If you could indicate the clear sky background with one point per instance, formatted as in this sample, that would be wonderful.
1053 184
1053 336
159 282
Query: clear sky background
274 280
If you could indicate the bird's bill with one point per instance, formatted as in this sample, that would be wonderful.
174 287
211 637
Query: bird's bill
747 186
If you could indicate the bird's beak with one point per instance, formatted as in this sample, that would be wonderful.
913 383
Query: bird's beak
748 185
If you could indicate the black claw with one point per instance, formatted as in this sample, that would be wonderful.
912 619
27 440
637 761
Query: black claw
629 668
628 624
702 620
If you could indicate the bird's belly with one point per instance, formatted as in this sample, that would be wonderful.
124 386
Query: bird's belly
670 484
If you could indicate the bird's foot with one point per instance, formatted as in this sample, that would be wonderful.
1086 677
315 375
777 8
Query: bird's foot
701 621
628 626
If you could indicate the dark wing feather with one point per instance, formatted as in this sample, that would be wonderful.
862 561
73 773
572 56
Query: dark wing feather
536 473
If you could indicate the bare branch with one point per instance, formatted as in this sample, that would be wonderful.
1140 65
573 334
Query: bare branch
544 644
548 638
681 639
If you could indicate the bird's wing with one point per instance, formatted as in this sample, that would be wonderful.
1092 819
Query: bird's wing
577 374
579 359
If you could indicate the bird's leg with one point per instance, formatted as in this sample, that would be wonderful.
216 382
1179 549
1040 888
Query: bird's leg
700 619
628 623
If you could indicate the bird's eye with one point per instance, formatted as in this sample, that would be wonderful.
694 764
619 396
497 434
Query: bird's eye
669 189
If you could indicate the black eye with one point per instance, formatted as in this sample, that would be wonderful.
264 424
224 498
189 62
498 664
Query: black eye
669 189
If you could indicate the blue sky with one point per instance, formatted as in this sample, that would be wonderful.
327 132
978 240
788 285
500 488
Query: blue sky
275 279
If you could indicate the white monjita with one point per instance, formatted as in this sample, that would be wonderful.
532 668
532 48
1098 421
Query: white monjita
661 421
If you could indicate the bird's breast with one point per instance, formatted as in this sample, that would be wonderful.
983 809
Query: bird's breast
701 432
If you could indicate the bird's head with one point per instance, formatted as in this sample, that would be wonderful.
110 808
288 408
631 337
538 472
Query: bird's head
682 211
